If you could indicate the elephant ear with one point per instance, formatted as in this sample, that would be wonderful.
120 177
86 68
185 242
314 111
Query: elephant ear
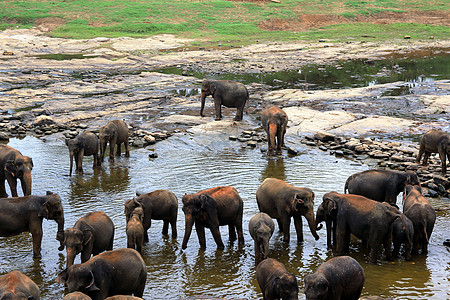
62 277
87 236
203 201
276 285
92 287
212 87
10 167
43 211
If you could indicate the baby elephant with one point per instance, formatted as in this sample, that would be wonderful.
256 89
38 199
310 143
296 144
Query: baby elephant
274 121
261 228
135 229
275 281
16 285
340 278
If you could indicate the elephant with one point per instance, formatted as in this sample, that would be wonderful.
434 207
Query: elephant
340 278
84 144
157 205
212 208
326 213
261 228
77 296
281 201
16 285
123 297
93 233
402 234
26 213
115 132
13 166
226 93
367 219
274 121
435 141
135 229
275 281
116 272
418 209
380 185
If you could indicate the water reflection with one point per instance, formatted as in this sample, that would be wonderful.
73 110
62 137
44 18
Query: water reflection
275 168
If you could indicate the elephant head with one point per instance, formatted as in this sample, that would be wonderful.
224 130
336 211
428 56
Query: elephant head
303 203
52 209
130 206
76 239
138 212
411 178
325 211
286 287
262 230
21 167
208 88
78 278
316 286
75 146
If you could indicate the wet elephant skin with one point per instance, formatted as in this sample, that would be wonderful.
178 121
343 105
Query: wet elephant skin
14 166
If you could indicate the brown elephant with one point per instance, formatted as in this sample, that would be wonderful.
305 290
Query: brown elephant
77 296
157 205
212 208
283 201
22 214
340 278
380 185
13 166
16 285
274 121
84 144
91 234
135 229
326 213
115 133
261 228
226 93
367 219
123 297
435 141
116 272
423 216
275 281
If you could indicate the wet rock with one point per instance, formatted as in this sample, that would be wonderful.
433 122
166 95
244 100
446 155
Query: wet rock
433 193
139 143
438 179
338 153
149 139
308 143
324 136
232 138
43 120
323 148
153 155
244 139
292 151
378 155
4 136
252 144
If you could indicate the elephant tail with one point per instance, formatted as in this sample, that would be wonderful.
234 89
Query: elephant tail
423 230
346 185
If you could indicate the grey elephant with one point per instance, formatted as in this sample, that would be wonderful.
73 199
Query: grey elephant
435 141
115 133
13 166
226 93
92 234
274 121
283 201
135 229
380 185
340 278
84 144
16 285
261 228
116 272
275 281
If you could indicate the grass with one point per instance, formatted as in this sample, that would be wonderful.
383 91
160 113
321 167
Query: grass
217 20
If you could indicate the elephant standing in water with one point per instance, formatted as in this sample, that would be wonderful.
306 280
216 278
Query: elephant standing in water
435 141
283 201
226 93
13 166
16 285
84 144
115 133
275 281
274 121
327 212
261 228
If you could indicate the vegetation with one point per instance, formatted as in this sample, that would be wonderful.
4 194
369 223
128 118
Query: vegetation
225 21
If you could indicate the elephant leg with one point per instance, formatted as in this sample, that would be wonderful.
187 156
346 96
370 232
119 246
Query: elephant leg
280 225
139 243
12 185
96 161
146 231
165 230
374 247
173 225
341 233
3 193
425 158
279 141
239 113
328 225
36 233
388 247
112 144
130 241
201 235
299 229
217 238
127 148
240 233
286 221
443 162
396 251
421 151
119 149
218 108
232 232
85 255
80 161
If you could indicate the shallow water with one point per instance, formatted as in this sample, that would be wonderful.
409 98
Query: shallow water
187 164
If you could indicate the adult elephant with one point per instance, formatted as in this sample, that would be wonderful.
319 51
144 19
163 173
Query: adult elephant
274 121
261 228
275 281
212 208
115 133
380 185
22 214
435 141
283 201
157 205
226 93
367 219
13 166
84 144
91 234
116 272
16 285
327 213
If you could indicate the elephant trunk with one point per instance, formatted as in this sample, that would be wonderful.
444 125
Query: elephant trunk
71 163
26 183
102 148
189 221
71 253
265 244
312 223
60 233
203 98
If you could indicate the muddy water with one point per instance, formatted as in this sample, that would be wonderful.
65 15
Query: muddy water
187 164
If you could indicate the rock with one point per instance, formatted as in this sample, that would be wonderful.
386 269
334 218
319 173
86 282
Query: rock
310 144
433 193
4 136
447 242
100 39
323 148
339 153
324 136
244 139
43 120
153 155
378 155
438 179
138 143
149 139
252 144
232 138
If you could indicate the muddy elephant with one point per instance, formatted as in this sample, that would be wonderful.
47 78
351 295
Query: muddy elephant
261 228
340 278
226 93
368 220
135 229
435 141
380 185
157 205
283 201
274 121
327 213
22 214
116 272
84 144
77 296
16 285
275 281
423 216
115 133
212 208
13 166
91 235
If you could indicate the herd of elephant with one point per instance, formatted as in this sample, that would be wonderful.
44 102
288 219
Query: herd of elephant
368 211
